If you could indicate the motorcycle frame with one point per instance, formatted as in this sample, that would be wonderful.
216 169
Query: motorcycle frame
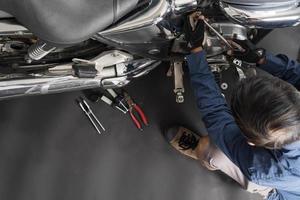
145 33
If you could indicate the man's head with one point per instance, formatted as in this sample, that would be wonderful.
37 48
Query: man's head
267 110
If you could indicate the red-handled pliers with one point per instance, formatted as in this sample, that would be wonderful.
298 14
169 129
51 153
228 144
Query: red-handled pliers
134 108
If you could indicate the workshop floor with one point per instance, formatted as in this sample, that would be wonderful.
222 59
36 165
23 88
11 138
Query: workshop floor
48 149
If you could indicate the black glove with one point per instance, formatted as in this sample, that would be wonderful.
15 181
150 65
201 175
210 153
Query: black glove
194 37
250 54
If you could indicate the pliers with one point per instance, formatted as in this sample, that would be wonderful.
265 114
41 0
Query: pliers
135 110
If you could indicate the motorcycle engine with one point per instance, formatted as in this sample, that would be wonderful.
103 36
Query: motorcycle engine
214 46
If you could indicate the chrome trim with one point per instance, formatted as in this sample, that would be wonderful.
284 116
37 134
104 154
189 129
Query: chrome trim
230 30
115 82
112 72
156 11
148 33
264 15
214 46
183 6
12 27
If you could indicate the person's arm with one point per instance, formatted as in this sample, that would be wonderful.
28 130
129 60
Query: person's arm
215 113
257 164
282 67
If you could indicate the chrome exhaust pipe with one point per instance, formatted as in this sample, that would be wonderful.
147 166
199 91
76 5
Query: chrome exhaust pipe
115 69
29 87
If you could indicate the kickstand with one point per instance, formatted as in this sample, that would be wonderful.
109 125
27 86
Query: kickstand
177 72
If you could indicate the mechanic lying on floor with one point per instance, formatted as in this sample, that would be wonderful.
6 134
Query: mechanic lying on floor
257 142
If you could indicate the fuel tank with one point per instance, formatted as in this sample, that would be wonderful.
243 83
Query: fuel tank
266 14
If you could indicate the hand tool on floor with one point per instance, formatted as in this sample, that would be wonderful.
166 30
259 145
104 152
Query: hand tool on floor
119 100
116 100
135 112
111 103
90 114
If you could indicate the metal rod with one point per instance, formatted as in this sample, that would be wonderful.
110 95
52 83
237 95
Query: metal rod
218 34
94 124
123 111
99 123
92 113
90 118
123 105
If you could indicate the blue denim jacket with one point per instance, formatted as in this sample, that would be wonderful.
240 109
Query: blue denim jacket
279 169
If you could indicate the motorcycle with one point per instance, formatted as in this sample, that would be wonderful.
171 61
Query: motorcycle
65 45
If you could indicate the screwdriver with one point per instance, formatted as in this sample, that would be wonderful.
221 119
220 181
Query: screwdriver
90 114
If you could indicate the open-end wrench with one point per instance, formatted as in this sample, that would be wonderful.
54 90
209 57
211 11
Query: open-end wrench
197 16
218 34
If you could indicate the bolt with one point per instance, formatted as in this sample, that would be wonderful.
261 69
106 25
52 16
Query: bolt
28 60
179 97
224 86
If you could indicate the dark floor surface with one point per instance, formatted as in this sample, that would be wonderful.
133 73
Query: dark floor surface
48 149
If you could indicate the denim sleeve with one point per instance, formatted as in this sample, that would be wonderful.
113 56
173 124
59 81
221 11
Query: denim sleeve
216 115
257 164
283 67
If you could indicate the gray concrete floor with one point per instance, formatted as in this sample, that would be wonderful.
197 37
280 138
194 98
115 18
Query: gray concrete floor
286 41
48 150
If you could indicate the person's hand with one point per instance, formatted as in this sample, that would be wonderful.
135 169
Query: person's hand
246 51
194 32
